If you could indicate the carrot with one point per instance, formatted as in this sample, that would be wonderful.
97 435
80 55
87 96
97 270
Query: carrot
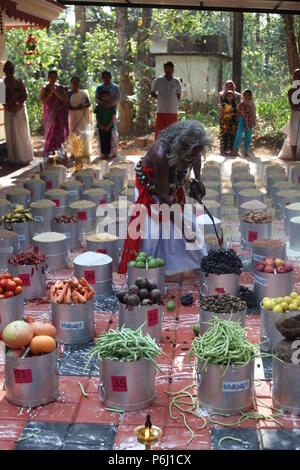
68 296
75 281
75 299
81 298
89 295
61 296
84 282
58 285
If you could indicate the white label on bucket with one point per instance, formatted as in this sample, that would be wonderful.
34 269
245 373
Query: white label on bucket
258 257
38 218
236 386
21 237
260 280
68 234
72 325
73 192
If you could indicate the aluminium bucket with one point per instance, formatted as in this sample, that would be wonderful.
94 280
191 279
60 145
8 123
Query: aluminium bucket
70 230
286 386
207 316
283 201
33 277
151 316
42 217
25 233
74 323
20 199
74 192
110 248
56 252
212 284
231 393
260 253
51 179
295 233
108 186
270 336
289 213
86 178
87 218
11 309
251 232
61 202
8 248
127 385
153 274
272 285
99 277
32 381
37 188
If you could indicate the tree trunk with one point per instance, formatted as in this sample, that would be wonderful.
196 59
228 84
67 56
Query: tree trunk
228 33
257 32
238 23
80 20
126 85
145 79
291 44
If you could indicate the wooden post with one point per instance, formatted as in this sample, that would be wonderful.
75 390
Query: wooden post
238 23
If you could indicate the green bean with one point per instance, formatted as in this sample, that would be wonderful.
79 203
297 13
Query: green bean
231 438
82 389
29 436
187 426
116 410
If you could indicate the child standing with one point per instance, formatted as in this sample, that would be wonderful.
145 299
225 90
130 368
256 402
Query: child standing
228 122
105 114
247 121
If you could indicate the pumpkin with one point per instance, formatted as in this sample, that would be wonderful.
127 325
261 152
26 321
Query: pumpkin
17 334
43 329
42 344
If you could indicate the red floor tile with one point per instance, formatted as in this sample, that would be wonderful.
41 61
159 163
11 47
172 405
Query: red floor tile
92 385
55 412
9 411
69 390
11 429
127 440
7 445
92 411
262 389
287 421
177 438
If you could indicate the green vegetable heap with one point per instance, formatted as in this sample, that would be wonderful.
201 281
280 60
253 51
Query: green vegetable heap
17 215
144 261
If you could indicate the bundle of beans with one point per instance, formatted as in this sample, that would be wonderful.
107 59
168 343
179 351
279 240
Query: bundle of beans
221 262
268 243
257 218
65 219
254 206
71 291
222 303
27 258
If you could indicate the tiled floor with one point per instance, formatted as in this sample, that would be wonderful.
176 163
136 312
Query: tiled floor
78 422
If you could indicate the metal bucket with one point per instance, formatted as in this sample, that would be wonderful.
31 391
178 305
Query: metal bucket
61 172
61 202
213 195
129 385
242 177
42 218
289 213
241 198
295 175
269 335
87 218
295 233
118 181
154 274
51 179
74 192
56 252
237 189
11 309
37 188
74 323
286 386
86 178
272 285
207 316
290 165
211 176
99 198
32 381
133 318
110 248
5 207
33 277
205 224
70 230
215 210
99 277
108 186
20 199
244 211
120 170
8 247
129 194
214 185
25 233
251 232
273 179
273 168
275 190
231 394
99 169
259 254
212 284
283 201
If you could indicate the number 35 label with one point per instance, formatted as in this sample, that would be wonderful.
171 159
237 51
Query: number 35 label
119 383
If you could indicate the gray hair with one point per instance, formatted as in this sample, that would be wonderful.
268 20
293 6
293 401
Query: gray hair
181 138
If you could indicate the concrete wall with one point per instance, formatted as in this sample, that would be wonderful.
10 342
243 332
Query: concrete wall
200 75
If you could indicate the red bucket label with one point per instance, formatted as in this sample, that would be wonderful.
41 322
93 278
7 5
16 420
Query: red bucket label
119 383
252 236
95 175
57 202
49 184
220 290
102 201
82 215
23 376
102 250
26 279
152 317
90 276
31 192
35 249
298 179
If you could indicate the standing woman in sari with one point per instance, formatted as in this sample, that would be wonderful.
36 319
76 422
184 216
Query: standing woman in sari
229 85
79 116
55 101
114 94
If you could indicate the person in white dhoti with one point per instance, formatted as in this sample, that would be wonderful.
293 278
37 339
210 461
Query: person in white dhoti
18 139
291 146
79 114
160 180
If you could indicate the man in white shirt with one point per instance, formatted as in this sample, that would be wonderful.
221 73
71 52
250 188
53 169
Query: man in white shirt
167 90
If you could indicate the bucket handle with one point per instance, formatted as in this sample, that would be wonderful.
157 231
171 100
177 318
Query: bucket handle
102 393
202 289
199 376
242 244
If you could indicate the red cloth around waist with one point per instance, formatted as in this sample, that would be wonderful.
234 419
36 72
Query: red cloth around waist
164 120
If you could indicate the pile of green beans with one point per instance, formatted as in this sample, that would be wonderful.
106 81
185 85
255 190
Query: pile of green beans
225 343
126 345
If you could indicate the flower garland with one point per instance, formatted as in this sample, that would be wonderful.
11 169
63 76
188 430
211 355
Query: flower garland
31 50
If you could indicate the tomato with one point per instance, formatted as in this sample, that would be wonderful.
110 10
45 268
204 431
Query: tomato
2 283
18 281
8 294
8 276
19 290
2 275
11 285
2 296
1 290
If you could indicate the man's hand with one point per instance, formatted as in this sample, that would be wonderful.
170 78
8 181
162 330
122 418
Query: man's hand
197 190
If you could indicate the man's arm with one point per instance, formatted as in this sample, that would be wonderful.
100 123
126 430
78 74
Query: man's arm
178 91
293 94
154 90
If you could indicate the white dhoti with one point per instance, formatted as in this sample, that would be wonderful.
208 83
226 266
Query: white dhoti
18 139
292 131
79 120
